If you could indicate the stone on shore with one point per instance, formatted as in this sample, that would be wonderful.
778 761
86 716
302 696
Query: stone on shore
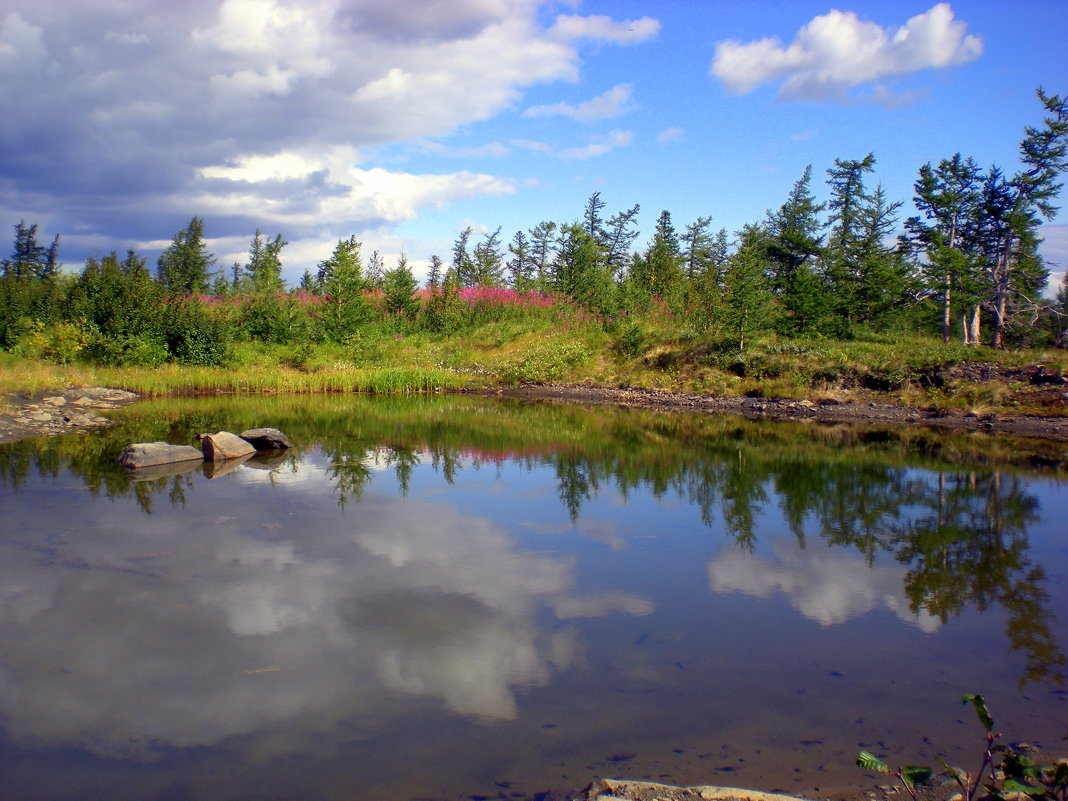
617 790
266 439
150 454
223 445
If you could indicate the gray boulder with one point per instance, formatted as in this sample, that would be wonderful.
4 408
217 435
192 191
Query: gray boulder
223 445
266 439
149 454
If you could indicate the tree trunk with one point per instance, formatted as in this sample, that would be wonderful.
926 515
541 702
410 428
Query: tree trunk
947 314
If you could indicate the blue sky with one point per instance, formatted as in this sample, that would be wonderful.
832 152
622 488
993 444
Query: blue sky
403 122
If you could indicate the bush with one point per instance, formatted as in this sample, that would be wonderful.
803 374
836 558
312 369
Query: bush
194 335
60 343
142 350
547 361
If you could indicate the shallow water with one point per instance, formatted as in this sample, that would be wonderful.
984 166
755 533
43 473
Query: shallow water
452 598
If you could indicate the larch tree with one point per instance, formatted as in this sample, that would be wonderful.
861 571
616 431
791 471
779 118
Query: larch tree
1029 199
949 197
748 296
793 249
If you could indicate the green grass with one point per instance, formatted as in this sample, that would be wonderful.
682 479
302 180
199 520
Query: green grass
912 369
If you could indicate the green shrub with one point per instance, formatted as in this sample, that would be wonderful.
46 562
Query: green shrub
60 342
194 335
547 361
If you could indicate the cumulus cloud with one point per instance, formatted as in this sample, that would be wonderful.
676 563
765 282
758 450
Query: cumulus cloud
127 129
838 52
275 633
826 586
613 103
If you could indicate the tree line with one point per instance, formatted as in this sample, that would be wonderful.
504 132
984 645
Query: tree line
838 268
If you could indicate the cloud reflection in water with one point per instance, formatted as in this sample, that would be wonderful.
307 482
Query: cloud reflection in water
128 635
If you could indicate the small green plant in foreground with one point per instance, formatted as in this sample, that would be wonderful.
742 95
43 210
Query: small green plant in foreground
1017 777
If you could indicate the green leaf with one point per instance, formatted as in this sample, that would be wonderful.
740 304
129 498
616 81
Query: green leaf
959 776
980 709
915 774
1017 786
871 762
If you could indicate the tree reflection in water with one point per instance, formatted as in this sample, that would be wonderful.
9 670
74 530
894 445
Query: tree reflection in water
961 532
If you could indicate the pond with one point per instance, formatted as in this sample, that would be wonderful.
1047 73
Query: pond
468 598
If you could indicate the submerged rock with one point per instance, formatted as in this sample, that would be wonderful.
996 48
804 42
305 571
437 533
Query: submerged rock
223 445
149 454
266 439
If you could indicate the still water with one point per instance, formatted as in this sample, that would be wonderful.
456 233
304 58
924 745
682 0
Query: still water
456 598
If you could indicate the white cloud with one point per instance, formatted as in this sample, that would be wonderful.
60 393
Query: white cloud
489 150
228 82
21 44
272 633
605 29
1054 250
671 135
613 103
828 586
327 188
602 145
533 144
837 52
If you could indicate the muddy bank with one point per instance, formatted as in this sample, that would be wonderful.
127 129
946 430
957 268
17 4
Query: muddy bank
865 411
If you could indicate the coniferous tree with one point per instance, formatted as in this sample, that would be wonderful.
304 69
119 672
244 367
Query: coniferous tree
949 196
264 268
662 266
1015 272
748 297
542 252
619 236
579 272
793 249
462 265
342 283
376 268
592 222
436 273
184 265
521 267
487 262
696 248
29 258
398 289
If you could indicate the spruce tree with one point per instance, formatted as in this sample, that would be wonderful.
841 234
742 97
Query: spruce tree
184 265
398 289
342 283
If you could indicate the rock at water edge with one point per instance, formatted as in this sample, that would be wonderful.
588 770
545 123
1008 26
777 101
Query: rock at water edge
223 445
149 454
266 439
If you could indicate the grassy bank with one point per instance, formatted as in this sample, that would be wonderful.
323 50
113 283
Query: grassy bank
914 370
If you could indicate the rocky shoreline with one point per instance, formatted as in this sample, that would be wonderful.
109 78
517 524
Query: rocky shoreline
865 410
78 410
73 410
